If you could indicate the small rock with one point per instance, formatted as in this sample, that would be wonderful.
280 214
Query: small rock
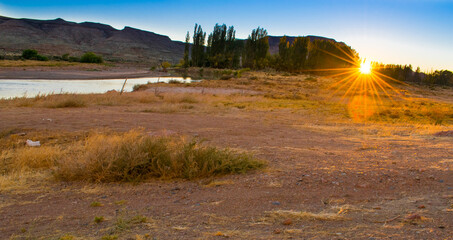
31 143
417 178
277 203
277 231
441 227
421 206
288 222
441 181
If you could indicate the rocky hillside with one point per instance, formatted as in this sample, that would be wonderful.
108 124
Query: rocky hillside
58 37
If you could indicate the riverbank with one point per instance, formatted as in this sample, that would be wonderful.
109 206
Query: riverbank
78 71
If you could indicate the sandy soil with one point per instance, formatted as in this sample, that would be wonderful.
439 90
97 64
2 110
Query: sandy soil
397 186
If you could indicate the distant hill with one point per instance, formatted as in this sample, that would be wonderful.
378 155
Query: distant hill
58 37
275 40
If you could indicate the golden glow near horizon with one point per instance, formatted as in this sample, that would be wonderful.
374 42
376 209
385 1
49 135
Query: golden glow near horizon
365 67
362 86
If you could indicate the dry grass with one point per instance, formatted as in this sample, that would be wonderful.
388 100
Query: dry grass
281 215
44 157
131 156
34 63
24 181
294 93
421 111
108 158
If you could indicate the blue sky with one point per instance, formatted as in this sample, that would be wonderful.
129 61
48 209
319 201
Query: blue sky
417 32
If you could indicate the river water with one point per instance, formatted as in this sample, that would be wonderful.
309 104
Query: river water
11 88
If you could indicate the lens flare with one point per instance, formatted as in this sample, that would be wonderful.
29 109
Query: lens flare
362 85
365 67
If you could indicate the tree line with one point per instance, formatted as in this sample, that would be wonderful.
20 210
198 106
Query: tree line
221 49
405 73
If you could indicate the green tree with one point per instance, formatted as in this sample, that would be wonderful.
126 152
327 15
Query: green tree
256 49
232 49
198 48
283 54
186 51
299 52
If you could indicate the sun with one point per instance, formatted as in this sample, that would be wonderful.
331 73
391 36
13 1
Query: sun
365 67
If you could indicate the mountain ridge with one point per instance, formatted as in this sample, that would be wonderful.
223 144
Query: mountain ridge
57 37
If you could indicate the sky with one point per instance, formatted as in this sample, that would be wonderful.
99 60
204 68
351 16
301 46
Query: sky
416 32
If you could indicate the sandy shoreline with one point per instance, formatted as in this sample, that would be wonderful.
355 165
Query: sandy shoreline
76 74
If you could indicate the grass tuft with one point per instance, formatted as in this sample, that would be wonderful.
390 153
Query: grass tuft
281 215
99 219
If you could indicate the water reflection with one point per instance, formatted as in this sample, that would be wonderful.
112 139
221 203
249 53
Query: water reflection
31 88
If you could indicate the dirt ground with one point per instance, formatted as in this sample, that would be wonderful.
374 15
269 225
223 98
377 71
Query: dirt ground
325 180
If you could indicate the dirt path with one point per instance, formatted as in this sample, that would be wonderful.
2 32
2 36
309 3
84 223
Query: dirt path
398 187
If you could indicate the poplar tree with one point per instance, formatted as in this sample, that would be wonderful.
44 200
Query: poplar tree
198 48
256 49
299 52
283 54
186 51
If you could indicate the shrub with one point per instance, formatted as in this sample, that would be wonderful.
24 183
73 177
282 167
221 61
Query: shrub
64 101
133 157
42 58
29 54
32 54
173 81
139 87
90 57
165 65
73 59
65 57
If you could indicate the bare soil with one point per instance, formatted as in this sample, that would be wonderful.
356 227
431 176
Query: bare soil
381 186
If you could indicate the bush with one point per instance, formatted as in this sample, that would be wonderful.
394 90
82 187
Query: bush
65 57
73 59
42 58
165 66
132 157
90 57
29 54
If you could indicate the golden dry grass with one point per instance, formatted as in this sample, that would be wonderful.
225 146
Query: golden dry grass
281 215
299 94
44 157
130 156
34 63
